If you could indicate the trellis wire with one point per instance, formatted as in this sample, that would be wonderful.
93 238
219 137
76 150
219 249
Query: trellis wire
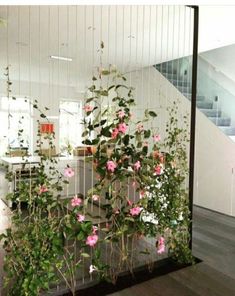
138 61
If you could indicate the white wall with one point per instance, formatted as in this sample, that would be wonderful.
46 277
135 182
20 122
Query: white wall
215 23
214 168
214 185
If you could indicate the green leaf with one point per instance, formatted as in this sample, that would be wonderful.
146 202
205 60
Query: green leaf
152 113
131 101
112 86
85 255
105 72
147 134
87 142
95 141
130 219
145 149
90 99
104 93
92 88
102 122
80 236
126 140
121 85
85 133
105 131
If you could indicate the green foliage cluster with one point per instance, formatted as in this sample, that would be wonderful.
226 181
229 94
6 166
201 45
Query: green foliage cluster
162 196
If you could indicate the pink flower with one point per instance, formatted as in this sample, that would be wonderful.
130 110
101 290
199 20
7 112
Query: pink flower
94 229
140 127
76 201
68 172
92 240
137 165
88 108
158 170
121 114
161 240
115 133
161 245
111 166
156 138
161 249
42 189
80 218
135 211
95 197
122 127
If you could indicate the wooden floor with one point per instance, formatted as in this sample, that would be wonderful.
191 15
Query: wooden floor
214 243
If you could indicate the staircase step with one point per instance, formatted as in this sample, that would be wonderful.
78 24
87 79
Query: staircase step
221 121
199 97
228 130
181 83
204 104
170 76
184 89
166 67
211 112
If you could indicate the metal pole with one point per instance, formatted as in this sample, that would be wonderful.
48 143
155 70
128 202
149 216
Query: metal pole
193 117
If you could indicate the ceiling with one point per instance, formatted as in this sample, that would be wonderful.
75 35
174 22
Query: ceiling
134 37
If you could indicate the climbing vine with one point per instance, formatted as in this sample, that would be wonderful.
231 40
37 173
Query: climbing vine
139 186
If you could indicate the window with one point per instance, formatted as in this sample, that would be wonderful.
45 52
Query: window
70 125
15 115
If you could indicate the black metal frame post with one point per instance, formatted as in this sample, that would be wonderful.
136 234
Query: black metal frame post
193 118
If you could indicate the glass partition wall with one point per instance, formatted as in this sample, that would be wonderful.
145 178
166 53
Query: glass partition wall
216 113
119 200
